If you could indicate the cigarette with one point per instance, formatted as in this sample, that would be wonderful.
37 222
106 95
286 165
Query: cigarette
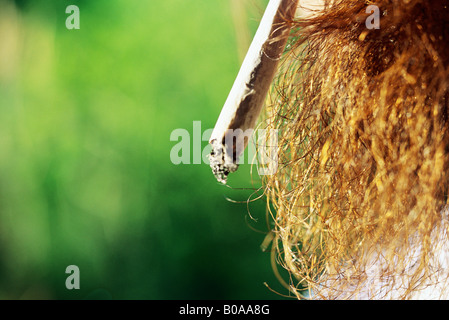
247 96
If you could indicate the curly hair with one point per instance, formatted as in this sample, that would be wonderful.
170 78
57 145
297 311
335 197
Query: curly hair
359 198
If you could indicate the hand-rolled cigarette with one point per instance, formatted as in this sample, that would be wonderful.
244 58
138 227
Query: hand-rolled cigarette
246 98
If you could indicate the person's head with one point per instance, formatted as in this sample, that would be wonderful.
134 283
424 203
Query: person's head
362 180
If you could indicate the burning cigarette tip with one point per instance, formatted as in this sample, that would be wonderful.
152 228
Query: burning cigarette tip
220 162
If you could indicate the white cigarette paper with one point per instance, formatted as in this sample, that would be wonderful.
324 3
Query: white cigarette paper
247 96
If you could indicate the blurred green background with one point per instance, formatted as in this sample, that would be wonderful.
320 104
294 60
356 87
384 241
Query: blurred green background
85 171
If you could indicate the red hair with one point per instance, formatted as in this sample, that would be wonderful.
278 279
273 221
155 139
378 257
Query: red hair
364 150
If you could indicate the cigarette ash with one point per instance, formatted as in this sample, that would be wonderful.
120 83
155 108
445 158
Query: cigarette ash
220 162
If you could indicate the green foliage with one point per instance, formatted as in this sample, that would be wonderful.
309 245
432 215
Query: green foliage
85 172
